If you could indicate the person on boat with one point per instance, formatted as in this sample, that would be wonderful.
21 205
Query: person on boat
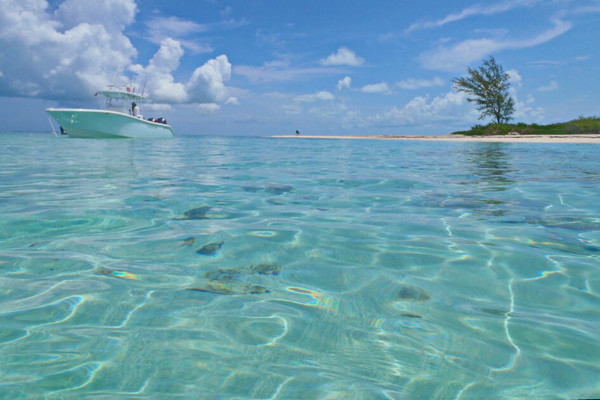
135 111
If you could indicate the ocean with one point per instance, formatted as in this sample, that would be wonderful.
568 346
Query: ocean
261 268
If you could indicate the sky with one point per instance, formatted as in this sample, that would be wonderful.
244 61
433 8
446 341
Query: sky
270 67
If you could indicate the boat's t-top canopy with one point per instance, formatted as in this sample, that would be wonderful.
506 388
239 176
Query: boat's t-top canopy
121 92
120 97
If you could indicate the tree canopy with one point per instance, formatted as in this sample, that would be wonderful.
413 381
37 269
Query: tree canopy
488 89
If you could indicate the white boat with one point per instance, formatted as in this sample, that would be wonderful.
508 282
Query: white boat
115 121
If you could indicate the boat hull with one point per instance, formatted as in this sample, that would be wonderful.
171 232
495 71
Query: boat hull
84 123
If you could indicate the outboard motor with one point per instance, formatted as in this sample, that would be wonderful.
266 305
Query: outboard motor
160 120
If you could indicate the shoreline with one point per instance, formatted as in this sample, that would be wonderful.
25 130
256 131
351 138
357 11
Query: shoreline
589 138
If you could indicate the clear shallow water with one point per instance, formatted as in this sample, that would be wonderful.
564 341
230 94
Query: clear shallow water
249 268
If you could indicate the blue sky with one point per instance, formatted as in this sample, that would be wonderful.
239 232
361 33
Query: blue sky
264 67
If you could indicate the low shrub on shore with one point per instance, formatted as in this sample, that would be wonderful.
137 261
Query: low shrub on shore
580 126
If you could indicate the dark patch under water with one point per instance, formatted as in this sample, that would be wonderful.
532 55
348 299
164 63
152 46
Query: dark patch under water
413 293
230 289
210 249
197 213
232 281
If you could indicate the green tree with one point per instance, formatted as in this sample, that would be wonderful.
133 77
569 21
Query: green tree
488 89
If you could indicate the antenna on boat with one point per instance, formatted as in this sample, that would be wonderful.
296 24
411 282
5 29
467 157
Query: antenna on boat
144 87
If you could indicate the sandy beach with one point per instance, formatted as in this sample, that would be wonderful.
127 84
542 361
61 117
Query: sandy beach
590 139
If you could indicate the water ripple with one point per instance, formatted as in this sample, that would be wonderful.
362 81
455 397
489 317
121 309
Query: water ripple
389 270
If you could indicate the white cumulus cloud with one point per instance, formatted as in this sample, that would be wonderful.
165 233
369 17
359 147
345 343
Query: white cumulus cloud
343 56
526 110
208 81
549 88
69 54
381 87
421 110
112 14
160 84
207 84
344 83
81 47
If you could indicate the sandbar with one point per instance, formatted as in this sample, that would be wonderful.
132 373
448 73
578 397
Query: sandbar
581 138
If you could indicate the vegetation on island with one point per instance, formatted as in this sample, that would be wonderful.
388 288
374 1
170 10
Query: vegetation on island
580 126
487 87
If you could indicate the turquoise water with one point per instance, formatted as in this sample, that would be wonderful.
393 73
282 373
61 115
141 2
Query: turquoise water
258 268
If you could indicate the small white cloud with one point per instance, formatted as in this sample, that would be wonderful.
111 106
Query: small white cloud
530 99
343 56
324 95
161 28
382 87
525 110
278 63
343 83
173 27
279 71
157 107
545 62
311 98
549 88
514 77
208 108
227 11
292 108
411 84
232 101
